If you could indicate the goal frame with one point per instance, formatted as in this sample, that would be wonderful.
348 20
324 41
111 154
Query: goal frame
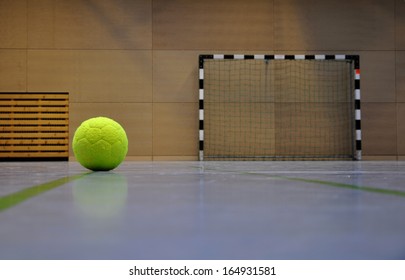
356 94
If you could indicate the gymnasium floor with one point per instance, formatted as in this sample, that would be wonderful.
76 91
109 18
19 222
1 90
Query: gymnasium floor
203 210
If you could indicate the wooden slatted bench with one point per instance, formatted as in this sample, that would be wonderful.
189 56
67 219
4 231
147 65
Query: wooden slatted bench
34 126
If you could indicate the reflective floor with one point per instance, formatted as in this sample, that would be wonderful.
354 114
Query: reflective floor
203 210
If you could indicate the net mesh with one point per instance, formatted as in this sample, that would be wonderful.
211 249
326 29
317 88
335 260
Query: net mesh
278 109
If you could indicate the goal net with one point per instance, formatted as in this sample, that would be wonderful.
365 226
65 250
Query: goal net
279 107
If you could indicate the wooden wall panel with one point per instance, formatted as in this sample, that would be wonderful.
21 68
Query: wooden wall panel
41 20
93 76
378 76
103 24
379 129
175 76
400 76
111 76
175 129
13 23
400 24
401 129
13 70
212 24
334 25
54 71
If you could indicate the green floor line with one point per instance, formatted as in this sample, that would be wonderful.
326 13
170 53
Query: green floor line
321 182
16 198
335 184
346 186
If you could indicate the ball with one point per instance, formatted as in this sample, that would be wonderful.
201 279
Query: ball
100 144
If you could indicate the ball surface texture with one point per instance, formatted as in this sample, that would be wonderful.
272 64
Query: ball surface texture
100 144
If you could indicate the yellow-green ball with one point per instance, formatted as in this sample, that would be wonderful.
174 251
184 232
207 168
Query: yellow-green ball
100 144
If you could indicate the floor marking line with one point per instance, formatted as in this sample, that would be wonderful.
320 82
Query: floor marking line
13 199
347 186
315 181
335 184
